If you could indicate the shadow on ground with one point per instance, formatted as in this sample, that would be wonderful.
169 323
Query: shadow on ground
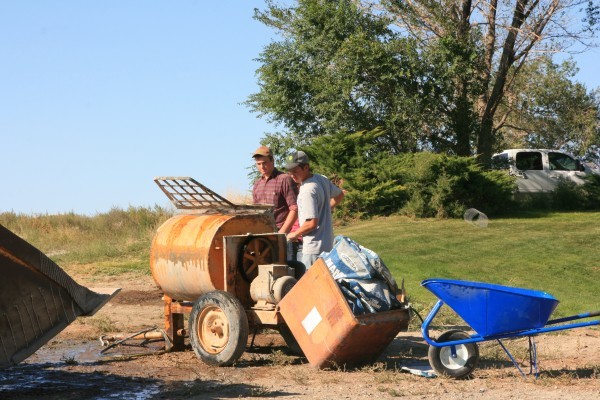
53 381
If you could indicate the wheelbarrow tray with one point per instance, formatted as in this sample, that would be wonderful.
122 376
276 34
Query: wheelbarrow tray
491 309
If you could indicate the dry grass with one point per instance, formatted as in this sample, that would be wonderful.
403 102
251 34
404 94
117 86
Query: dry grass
259 391
301 377
238 197
279 358
101 324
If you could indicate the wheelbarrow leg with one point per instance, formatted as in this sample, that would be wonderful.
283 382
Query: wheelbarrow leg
512 358
533 367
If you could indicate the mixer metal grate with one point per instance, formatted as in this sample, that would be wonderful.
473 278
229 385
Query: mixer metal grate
188 194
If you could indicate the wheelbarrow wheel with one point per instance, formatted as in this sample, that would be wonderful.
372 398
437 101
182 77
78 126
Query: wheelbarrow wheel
458 366
218 328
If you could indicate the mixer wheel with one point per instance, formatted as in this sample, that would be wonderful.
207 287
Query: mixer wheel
218 328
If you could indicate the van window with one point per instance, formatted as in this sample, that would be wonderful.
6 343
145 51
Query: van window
561 162
529 161
500 161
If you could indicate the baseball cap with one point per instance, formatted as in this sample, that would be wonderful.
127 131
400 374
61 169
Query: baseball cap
262 151
295 159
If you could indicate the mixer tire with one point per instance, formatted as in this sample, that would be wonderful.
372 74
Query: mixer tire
218 328
290 340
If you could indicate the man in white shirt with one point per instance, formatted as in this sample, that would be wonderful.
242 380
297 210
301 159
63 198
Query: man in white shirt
317 196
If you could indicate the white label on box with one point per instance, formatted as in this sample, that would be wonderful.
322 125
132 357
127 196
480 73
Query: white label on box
311 321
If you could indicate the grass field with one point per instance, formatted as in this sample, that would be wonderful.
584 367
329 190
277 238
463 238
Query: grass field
558 253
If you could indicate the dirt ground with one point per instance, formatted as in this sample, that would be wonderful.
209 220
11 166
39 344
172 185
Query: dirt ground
70 366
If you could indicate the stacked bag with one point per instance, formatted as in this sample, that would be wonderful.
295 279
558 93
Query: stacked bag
363 278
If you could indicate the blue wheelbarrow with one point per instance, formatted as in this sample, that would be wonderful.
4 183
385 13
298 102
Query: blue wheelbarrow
494 312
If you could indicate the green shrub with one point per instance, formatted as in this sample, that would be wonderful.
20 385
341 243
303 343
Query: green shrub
567 196
376 188
444 186
415 184
591 192
379 183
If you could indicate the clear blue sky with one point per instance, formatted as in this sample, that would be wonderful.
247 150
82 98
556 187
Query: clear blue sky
99 97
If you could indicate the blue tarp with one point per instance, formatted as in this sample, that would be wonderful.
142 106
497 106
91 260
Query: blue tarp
364 279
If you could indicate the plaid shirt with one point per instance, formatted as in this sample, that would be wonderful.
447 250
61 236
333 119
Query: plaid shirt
280 191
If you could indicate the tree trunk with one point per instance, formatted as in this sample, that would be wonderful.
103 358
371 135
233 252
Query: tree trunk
461 120
462 114
485 141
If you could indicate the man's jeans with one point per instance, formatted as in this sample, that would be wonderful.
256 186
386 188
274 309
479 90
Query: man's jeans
309 259
294 251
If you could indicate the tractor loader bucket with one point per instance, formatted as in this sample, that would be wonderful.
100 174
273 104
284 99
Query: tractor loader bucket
37 299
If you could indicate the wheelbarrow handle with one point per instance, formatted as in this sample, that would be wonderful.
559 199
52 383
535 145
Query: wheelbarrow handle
574 317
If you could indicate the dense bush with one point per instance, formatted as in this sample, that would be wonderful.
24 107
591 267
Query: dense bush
416 184
568 196
444 186
591 192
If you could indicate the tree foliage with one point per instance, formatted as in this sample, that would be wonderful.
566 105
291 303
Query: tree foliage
508 33
339 69
364 85
371 178
435 75
546 109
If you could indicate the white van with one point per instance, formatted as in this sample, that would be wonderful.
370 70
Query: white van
540 170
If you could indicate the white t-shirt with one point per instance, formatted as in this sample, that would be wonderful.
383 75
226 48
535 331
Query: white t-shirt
313 202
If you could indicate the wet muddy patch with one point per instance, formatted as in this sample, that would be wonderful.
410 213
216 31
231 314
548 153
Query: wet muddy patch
55 381
72 369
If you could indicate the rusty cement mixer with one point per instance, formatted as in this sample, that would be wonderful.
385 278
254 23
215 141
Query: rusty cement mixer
222 264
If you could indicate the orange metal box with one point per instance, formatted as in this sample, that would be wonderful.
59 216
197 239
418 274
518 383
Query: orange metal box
326 329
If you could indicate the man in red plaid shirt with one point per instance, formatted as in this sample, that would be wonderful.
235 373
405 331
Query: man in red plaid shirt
277 189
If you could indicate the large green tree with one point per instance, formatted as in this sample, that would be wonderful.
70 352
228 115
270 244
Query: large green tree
509 34
337 68
432 73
